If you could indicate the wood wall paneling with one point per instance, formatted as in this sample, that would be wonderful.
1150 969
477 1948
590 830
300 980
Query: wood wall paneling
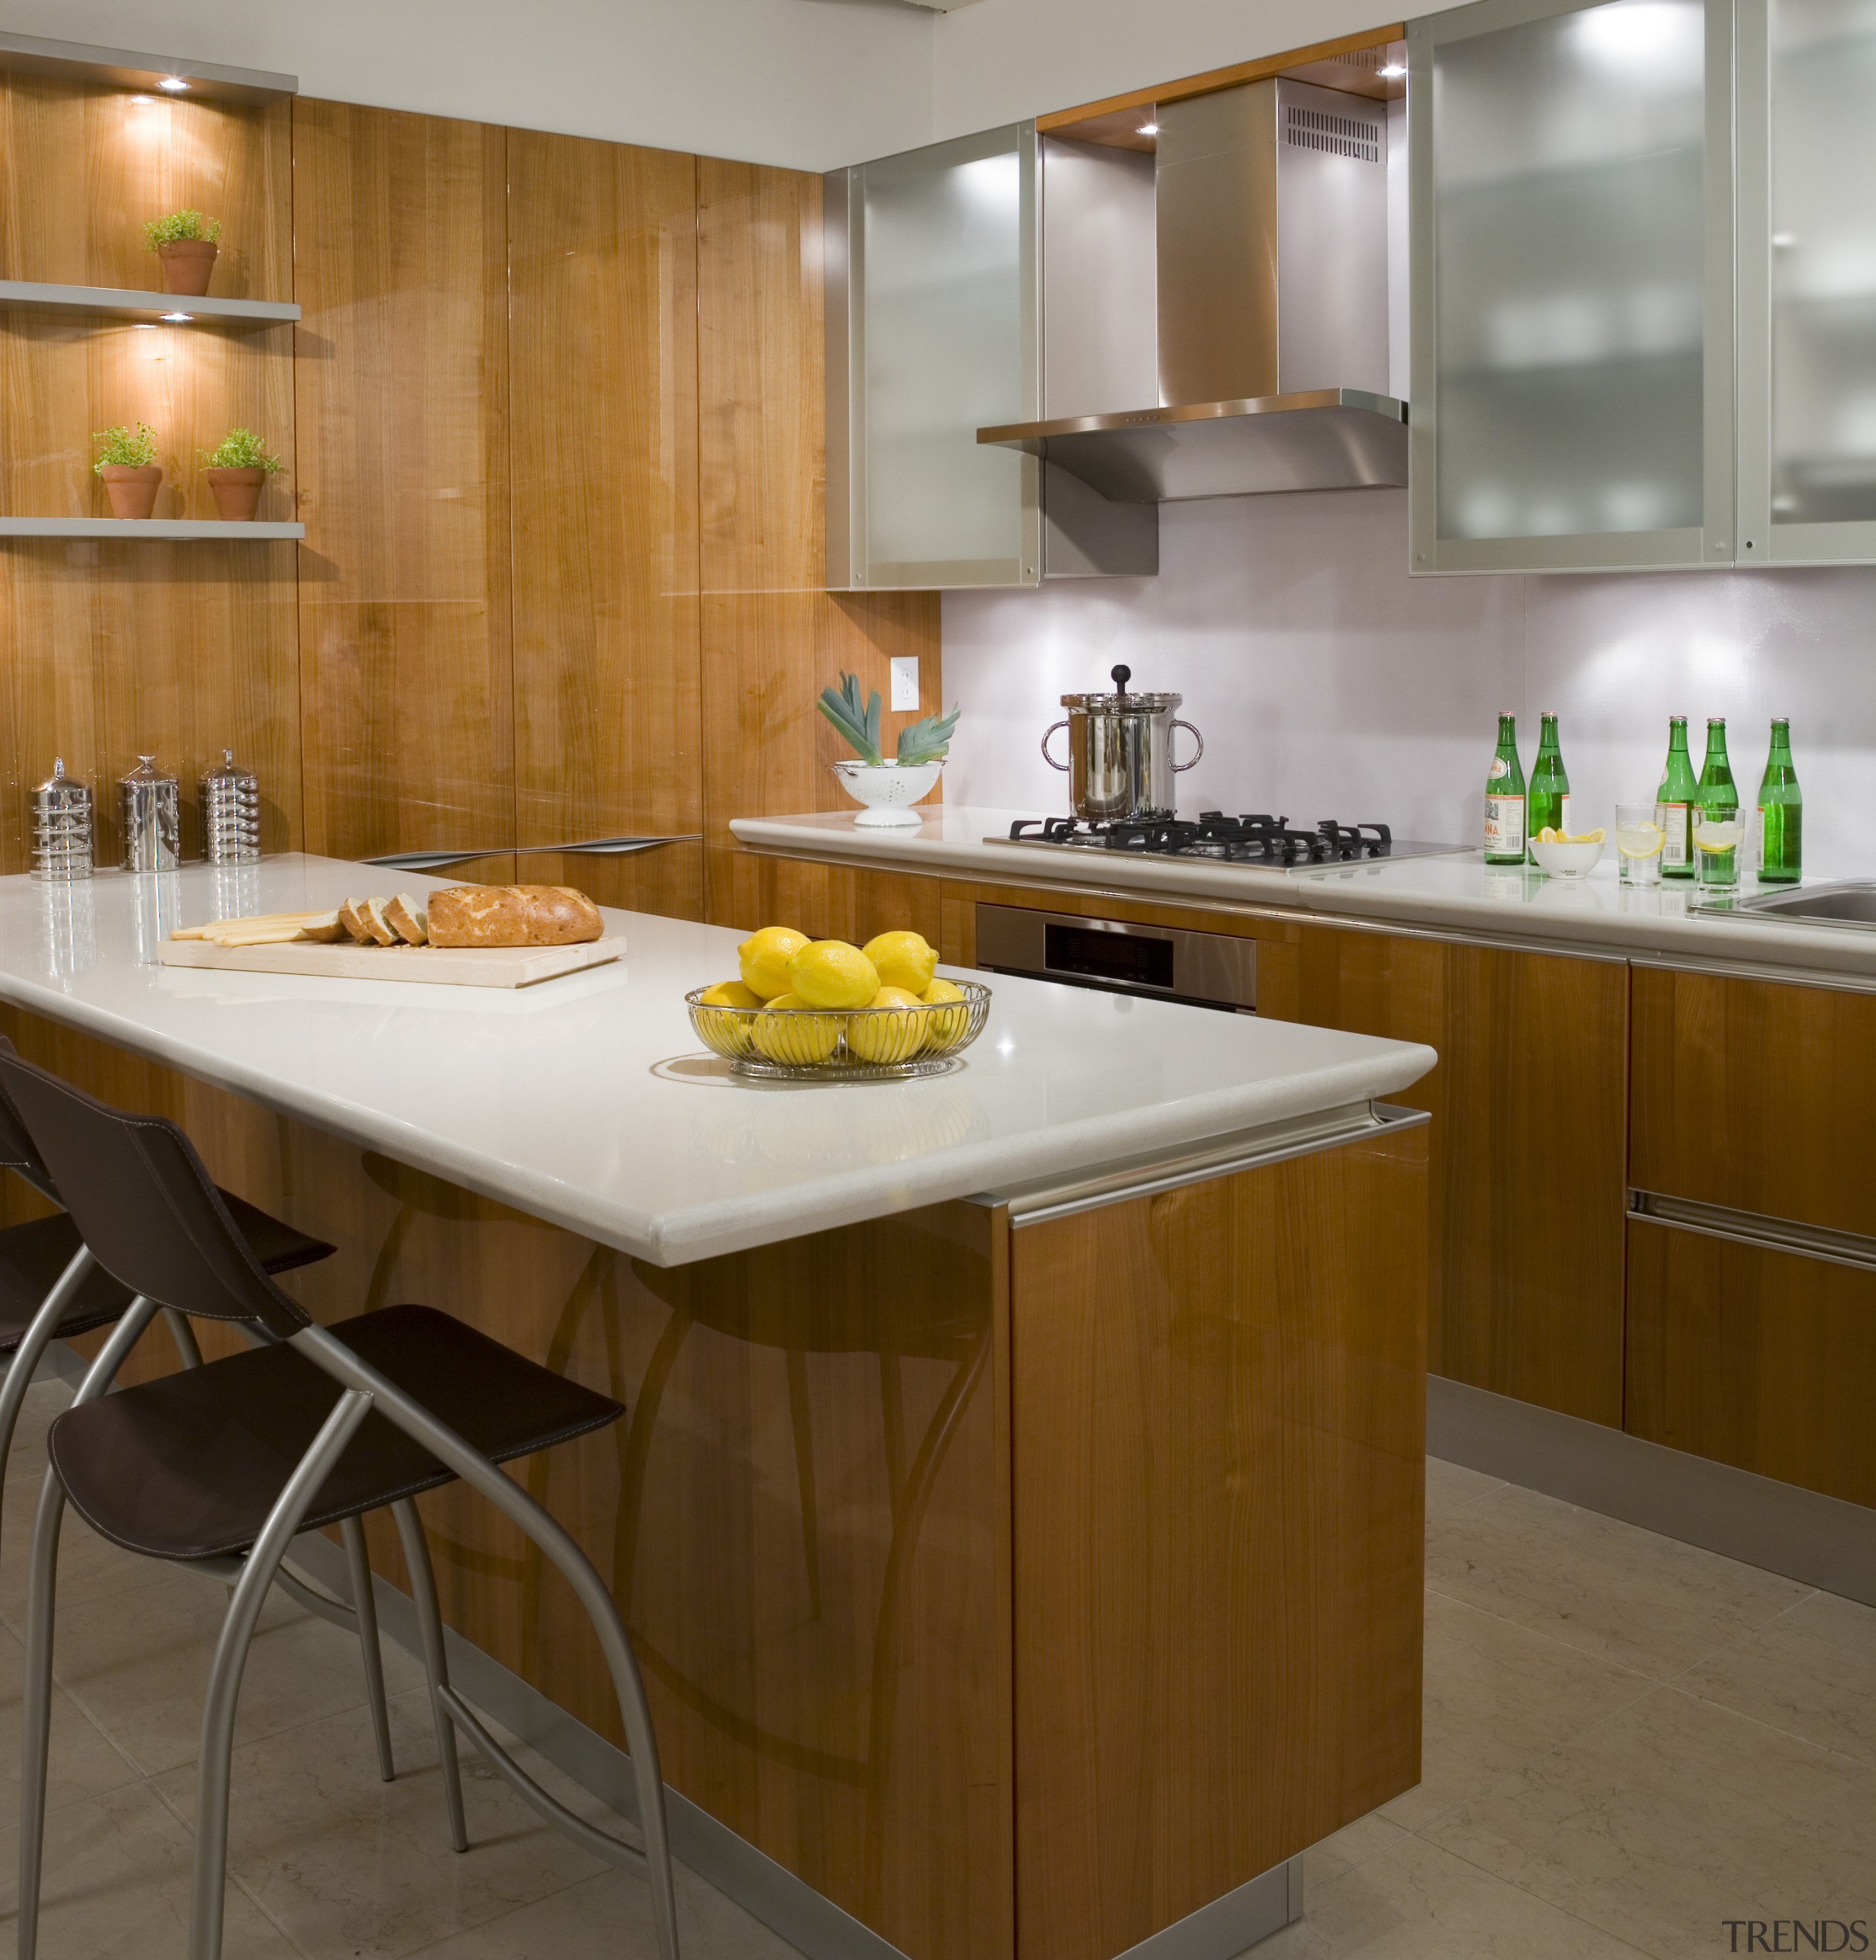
1762 1359
401 373
116 649
772 637
825 901
602 387
1755 1096
1217 1410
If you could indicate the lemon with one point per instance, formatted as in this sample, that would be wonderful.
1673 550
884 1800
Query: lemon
785 1033
1547 836
942 1030
765 956
830 973
1641 840
903 960
877 1036
730 994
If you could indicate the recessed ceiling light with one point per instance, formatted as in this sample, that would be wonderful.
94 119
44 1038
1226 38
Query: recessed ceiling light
179 316
1149 129
1392 72
172 84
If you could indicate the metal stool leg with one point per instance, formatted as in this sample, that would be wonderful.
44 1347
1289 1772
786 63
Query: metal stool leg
423 1592
33 1343
215 1768
42 1587
364 1606
183 1335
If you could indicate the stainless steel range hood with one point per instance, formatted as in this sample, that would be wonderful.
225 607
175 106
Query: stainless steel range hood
1270 251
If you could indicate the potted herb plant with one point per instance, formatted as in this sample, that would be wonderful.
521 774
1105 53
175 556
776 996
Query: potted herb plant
185 243
237 468
127 462
886 788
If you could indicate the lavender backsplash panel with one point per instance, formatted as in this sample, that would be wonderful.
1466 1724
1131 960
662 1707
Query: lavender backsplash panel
1327 683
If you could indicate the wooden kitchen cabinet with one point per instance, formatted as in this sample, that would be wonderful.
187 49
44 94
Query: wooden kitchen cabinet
1755 1356
825 901
1755 1096
1528 1183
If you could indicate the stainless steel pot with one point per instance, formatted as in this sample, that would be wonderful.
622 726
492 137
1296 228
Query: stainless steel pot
1120 765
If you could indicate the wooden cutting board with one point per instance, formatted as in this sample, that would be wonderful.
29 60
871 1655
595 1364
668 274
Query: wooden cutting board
438 965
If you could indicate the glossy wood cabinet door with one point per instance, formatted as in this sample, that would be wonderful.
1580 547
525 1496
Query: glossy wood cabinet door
1756 1095
1529 1186
825 901
1217 1405
1760 1358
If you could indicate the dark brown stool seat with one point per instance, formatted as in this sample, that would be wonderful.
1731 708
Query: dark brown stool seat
34 1255
190 1466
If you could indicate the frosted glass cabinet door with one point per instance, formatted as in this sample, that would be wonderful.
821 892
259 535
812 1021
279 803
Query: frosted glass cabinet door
1808 280
939 317
1573 395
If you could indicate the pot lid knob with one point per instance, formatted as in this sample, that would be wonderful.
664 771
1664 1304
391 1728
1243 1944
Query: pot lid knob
1121 675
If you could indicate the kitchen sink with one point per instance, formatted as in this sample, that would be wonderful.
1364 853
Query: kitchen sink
1851 903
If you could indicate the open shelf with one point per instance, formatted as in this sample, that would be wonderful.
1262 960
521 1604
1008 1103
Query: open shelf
125 303
151 528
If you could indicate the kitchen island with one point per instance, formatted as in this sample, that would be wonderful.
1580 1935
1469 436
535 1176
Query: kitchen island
1019 1510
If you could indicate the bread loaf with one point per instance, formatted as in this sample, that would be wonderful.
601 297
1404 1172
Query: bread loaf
512 915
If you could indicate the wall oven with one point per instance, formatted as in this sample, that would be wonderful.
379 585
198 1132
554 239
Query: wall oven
1200 970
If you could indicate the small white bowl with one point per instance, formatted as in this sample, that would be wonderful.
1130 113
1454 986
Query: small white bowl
887 791
1566 861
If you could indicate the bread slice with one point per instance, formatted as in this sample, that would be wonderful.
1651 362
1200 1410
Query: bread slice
405 916
372 911
323 927
351 916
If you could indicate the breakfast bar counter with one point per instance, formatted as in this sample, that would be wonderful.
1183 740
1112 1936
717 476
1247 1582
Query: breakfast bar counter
1018 1513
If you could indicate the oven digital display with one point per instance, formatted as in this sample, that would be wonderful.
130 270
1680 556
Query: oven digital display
1109 955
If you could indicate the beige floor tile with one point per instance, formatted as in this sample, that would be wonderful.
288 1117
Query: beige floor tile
116 1887
1353 1844
89 1568
1450 1487
80 1762
1674 1815
1497 1695
1416 1902
353 1866
608 1918
1812 1671
141 1675
1609 1588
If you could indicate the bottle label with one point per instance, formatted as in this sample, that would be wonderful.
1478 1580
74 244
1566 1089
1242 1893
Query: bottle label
1504 826
1675 843
1500 768
1563 814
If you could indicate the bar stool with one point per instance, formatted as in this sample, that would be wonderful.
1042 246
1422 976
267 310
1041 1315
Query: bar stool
220 1466
51 1287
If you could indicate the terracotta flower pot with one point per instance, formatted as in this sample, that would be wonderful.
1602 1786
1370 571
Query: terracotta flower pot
186 264
132 492
237 491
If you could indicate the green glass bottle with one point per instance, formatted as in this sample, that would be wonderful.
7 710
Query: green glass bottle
1505 835
1781 813
1718 832
1675 800
1548 805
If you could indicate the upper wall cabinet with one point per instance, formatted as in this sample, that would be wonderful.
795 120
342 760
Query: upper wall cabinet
1807 281
934 310
1573 384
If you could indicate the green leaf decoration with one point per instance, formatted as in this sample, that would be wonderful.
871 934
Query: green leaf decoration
859 726
927 741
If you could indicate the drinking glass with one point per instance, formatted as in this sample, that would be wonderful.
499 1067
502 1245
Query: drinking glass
1640 836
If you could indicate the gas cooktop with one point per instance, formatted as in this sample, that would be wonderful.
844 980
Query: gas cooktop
1262 842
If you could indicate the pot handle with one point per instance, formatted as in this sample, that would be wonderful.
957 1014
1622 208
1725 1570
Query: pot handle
1190 730
1046 756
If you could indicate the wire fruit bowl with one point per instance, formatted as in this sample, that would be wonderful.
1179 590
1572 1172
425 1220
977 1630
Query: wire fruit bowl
842 1044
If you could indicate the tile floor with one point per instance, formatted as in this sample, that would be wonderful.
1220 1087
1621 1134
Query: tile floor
1627 1742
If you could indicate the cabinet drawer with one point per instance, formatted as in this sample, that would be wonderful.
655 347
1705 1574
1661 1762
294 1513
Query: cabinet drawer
1755 1095
1763 1358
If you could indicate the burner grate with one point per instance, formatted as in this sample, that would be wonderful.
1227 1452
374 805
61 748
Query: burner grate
1261 838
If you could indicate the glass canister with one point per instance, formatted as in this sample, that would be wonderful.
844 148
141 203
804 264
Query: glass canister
150 805
61 828
230 813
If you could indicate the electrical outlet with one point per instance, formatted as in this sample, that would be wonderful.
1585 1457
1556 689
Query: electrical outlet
905 684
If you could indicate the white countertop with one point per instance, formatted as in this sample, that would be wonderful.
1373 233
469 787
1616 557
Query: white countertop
588 1101
1458 892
